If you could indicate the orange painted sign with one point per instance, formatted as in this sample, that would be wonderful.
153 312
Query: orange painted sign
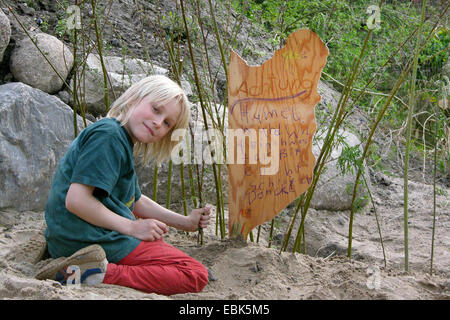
271 125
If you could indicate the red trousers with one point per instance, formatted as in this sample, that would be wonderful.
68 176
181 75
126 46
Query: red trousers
157 267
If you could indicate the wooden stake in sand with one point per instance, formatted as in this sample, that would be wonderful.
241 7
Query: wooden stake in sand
271 126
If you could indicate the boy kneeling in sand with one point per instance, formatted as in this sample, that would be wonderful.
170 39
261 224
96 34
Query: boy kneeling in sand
95 197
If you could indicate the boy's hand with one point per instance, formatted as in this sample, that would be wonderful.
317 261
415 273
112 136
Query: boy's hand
148 229
199 218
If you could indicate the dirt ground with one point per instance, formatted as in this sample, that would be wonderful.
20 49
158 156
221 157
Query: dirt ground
250 271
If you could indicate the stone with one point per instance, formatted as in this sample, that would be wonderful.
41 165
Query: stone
5 33
122 73
29 66
334 189
36 130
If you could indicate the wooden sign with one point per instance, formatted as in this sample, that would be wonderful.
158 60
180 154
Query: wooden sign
271 124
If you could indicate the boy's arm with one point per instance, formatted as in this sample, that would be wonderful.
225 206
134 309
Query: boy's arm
148 209
81 202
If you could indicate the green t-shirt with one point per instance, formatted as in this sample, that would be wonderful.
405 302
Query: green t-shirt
102 157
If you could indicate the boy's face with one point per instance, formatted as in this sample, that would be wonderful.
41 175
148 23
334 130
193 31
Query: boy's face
150 122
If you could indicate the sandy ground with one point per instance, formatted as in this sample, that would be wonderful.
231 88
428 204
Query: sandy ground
249 271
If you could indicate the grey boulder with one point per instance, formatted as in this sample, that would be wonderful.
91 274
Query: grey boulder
5 33
28 65
35 131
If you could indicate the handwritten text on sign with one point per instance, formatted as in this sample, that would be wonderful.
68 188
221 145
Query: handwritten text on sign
273 106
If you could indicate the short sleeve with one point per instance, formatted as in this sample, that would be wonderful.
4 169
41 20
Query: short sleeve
99 161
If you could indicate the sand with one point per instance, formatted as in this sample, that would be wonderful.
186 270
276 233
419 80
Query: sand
252 271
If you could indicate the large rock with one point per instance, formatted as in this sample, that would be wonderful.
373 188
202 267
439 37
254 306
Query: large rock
29 66
5 33
334 189
122 73
35 131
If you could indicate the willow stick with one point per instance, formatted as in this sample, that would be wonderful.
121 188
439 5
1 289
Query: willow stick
219 42
155 182
301 229
271 232
169 185
291 224
100 53
412 102
259 233
436 129
183 189
377 220
191 185
74 90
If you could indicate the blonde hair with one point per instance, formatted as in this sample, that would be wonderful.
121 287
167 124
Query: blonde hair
160 89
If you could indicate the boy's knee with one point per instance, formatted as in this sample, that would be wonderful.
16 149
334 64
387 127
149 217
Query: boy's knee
201 278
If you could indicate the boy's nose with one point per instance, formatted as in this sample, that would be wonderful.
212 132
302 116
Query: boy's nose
157 122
